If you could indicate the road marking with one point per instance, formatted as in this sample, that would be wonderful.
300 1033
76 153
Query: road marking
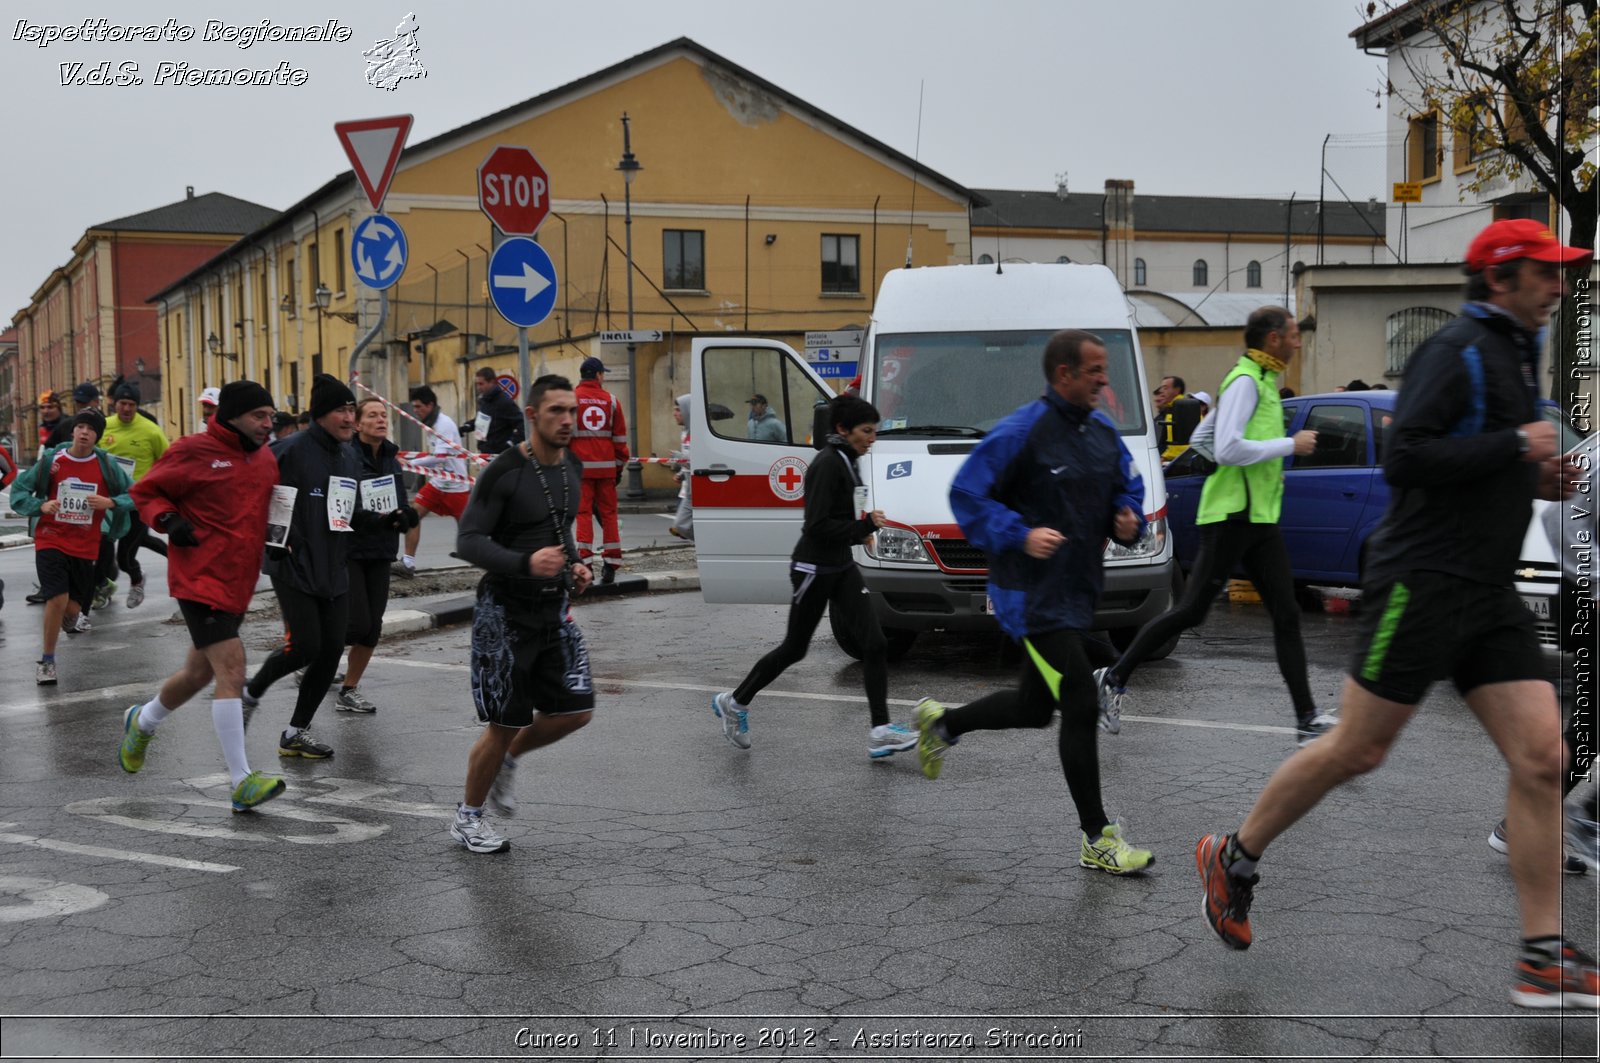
656 684
113 854
42 898
109 809
51 701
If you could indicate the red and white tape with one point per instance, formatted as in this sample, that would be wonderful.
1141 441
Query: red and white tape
460 451
433 474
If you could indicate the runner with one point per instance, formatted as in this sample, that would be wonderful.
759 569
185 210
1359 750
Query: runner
530 669
439 494
825 576
134 442
1040 495
210 494
1465 455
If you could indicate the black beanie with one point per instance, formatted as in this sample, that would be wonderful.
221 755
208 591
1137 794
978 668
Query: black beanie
239 398
125 391
93 419
328 393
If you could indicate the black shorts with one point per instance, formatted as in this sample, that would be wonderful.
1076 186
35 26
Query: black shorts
208 626
1426 626
516 669
61 573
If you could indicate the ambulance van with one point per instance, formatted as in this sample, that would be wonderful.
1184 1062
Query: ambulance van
950 351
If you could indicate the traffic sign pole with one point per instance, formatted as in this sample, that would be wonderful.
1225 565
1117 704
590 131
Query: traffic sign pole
527 382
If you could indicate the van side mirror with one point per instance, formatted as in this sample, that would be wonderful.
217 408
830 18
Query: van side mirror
819 425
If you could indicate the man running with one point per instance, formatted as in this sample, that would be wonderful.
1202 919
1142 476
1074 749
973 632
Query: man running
135 443
1465 455
1039 496
530 668
443 495
825 577
210 494
1238 521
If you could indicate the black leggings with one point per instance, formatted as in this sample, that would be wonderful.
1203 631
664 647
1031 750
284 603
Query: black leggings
1051 662
313 638
847 595
128 548
369 594
1225 546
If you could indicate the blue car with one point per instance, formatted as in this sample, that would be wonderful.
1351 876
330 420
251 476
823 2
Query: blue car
1332 498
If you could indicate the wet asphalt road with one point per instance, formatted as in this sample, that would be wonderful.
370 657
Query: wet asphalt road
668 895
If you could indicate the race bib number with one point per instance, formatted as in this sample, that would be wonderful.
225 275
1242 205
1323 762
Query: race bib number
73 497
480 424
279 513
378 494
863 500
341 503
125 464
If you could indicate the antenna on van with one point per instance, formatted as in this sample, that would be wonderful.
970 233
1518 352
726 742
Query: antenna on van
915 163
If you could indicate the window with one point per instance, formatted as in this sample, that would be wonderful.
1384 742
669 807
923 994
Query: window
985 260
1470 137
1536 207
1252 275
841 257
735 375
338 260
288 281
1341 437
1422 148
1202 273
683 258
1409 327
315 277
1139 273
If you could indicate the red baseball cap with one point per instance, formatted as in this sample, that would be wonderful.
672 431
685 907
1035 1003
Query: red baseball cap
1513 238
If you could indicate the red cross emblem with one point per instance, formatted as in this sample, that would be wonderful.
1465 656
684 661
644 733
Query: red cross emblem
787 478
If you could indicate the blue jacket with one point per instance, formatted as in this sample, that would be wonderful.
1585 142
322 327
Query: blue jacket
1049 464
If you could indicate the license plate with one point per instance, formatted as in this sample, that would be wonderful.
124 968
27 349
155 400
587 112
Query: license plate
1539 607
988 605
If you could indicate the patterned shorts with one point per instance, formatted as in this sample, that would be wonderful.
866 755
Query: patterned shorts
516 669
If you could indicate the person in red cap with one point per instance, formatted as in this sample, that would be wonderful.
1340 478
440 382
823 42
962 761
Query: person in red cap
1465 456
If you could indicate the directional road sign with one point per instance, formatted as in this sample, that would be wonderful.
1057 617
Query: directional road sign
514 190
378 251
373 146
638 335
522 281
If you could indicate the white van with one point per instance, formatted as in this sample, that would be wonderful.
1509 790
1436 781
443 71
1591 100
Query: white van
949 353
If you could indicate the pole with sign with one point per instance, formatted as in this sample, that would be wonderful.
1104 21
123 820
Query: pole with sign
514 193
378 250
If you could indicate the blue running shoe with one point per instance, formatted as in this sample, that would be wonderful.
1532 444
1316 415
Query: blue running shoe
735 721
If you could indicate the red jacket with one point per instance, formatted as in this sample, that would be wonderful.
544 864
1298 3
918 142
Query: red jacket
601 438
212 482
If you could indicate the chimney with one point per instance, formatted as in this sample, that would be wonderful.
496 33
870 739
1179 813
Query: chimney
1118 223
188 191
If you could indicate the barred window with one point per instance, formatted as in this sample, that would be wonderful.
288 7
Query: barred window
1409 327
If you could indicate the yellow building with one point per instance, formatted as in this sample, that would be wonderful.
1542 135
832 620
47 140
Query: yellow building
754 212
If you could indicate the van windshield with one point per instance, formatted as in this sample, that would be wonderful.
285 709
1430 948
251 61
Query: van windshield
964 383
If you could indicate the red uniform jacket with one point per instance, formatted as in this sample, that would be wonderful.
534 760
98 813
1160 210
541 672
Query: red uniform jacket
601 439
210 480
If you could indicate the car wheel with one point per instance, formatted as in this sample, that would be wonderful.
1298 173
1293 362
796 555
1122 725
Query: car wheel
843 637
1122 637
900 640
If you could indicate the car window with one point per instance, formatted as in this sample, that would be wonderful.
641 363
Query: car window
1341 437
1552 413
736 375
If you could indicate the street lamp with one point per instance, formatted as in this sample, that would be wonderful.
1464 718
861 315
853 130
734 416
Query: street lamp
630 167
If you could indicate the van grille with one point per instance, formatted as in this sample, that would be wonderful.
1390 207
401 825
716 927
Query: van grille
957 554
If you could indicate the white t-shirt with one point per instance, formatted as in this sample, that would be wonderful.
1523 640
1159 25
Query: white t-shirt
446 458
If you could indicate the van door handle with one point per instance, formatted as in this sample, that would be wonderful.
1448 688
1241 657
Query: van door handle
715 470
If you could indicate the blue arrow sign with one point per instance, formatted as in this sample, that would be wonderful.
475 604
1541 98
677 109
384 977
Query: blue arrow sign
522 281
378 251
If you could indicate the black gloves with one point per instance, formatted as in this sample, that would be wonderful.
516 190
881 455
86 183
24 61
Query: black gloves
413 518
179 531
277 553
401 519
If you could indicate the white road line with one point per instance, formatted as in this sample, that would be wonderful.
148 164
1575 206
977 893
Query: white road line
654 684
39 703
114 854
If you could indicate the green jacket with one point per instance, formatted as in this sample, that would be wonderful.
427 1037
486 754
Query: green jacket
1258 488
31 490
143 441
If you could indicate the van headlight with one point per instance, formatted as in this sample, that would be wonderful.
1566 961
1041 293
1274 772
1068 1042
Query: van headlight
897 544
1150 544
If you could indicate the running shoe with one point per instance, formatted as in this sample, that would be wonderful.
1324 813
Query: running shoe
352 701
297 742
472 830
1571 863
36 598
402 570
1570 982
135 596
930 744
1583 836
103 594
76 625
255 789
1308 731
1112 854
44 673
889 739
503 791
735 721
1109 699
134 741
1227 897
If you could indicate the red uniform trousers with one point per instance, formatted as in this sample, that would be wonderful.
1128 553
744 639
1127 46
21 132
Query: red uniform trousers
599 499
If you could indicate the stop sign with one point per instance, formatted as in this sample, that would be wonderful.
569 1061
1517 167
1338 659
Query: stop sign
514 190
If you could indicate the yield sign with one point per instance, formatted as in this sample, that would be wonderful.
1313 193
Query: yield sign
373 146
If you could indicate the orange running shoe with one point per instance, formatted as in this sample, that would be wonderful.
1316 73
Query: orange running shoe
1227 899
1570 982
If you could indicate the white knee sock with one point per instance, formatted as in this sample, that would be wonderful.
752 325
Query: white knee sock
151 715
227 716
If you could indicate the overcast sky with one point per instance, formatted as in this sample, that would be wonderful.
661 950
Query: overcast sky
1233 97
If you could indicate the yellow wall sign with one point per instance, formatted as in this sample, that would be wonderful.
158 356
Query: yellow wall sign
1408 192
